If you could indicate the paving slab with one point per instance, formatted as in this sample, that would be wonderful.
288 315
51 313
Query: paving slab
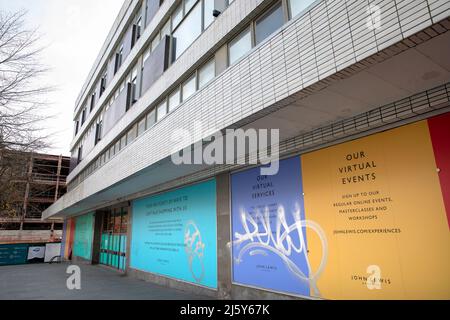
48 282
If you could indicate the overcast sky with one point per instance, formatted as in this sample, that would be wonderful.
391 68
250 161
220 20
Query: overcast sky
73 31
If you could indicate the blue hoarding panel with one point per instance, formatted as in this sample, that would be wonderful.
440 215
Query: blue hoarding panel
175 234
269 242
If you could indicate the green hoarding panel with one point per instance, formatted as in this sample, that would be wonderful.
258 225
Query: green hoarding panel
84 231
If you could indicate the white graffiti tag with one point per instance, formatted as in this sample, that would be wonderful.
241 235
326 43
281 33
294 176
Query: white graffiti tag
195 249
256 241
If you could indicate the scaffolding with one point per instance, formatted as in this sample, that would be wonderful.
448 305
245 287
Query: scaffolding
41 183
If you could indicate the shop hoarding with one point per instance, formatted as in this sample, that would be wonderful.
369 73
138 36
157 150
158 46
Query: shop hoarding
174 234
360 220
83 236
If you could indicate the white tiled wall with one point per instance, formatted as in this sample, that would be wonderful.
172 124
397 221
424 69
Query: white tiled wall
331 36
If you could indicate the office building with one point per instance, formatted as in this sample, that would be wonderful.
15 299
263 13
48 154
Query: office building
359 91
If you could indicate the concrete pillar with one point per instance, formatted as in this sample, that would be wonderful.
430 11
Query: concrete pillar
223 236
27 187
98 221
58 174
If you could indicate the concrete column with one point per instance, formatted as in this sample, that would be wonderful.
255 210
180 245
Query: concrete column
27 187
58 174
98 221
223 236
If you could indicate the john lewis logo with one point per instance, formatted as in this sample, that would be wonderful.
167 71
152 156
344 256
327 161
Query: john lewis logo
373 280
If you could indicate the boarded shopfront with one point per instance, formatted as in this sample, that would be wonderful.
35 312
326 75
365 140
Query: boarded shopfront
67 239
84 232
364 219
174 234
113 244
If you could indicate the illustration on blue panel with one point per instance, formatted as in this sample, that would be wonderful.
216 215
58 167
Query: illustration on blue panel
268 224
175 234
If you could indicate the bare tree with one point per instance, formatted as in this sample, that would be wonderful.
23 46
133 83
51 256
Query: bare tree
22 119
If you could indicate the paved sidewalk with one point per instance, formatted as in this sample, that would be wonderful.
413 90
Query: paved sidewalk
48 282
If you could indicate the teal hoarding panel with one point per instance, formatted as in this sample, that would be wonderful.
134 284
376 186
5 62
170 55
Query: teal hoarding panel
175 234
84 231
11 254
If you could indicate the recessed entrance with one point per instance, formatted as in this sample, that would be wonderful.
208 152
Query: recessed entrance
113 244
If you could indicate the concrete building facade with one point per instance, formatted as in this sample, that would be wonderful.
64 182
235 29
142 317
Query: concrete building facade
360 93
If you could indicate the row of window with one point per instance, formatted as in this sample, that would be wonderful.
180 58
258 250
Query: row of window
259 30
186 23
131 87
195 82
117 59
254 34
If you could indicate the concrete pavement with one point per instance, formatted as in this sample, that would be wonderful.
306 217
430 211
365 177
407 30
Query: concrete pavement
48 282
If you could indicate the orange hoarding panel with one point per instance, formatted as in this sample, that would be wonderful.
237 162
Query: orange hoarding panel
379 201
68 237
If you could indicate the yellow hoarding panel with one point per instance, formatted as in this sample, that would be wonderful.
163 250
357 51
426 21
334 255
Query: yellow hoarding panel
379 202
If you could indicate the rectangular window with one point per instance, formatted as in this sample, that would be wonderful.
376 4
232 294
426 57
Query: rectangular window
132 90
117 147
177 16
208 12
103 83
174 100
187 31
83 116
206 73
269 23
296 6
77 123
136 32
112 152
131 135
98 131
122 86
188 4
189 87
146 55
123 142
141 127
165 31
80 154
92 101
118 59
155 42
162 110
240 46
151 119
